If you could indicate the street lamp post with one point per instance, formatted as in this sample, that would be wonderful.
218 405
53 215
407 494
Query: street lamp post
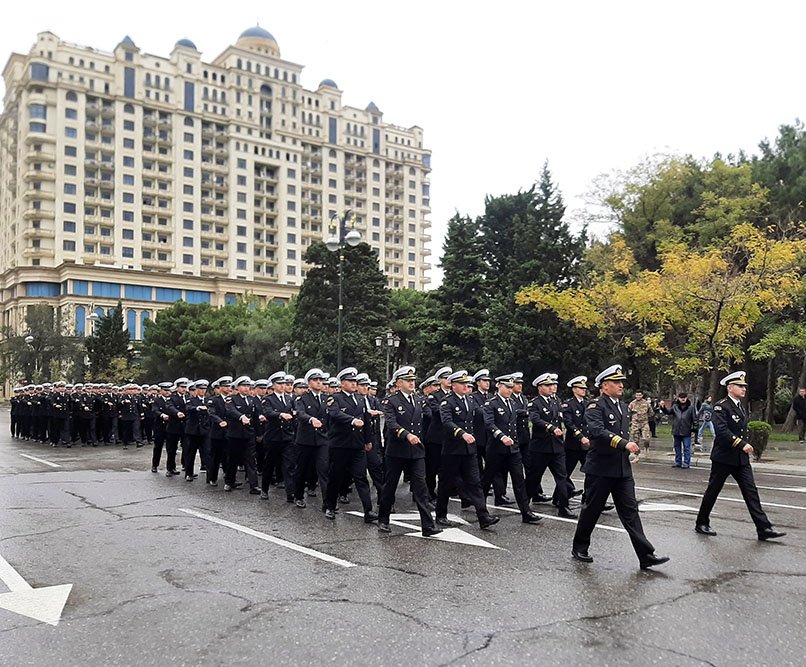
392 341
338 239
286 351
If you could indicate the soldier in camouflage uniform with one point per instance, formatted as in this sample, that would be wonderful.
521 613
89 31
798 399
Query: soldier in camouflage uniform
640 414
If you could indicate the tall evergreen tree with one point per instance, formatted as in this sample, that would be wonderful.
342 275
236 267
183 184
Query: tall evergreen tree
366 309
462 296
108 347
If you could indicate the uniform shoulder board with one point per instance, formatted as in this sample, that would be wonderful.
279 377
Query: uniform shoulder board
487 402
227 399
718 407
331 400
721 401
592 405
384 401
564 405
444 403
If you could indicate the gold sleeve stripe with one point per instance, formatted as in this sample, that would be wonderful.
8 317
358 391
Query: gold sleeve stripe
400 432
456 432
737 442
614 441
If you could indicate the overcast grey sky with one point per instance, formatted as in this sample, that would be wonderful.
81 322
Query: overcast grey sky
499 87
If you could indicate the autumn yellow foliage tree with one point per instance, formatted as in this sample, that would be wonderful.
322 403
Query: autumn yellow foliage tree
692 315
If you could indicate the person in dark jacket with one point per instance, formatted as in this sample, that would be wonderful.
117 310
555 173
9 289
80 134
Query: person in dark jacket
311 437
197 427
730 457
217 444
683 424
799 406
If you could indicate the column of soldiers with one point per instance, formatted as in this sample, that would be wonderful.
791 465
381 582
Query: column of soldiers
92 414
460 435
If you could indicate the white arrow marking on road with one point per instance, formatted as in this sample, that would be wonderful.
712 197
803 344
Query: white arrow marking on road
561 519
664 507
455 535
699 495
270 538
47 463
41 604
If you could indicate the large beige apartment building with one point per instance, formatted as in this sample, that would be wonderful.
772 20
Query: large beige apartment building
150 179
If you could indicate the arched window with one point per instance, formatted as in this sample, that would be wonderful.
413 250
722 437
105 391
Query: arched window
128 108
144 315
81 321
131 323
188 122
71 97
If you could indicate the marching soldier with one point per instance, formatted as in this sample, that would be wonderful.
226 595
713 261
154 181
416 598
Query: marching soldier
730 457
278 436
503 452
546 445
242 414
197 427
160 423
128 411
607 470
406 415
459 465
60 416
373 448
176 410
433 435
217 409
349 435
311 437
576 439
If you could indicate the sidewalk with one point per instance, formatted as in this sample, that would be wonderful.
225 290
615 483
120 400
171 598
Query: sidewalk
788 457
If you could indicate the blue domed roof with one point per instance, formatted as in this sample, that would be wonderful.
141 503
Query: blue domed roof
330 83
186 42
257 31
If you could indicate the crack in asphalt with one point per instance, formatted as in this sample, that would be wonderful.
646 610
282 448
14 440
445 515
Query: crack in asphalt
40 532
487 640
88 503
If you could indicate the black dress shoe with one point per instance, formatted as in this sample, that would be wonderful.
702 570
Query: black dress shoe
344 500
565 513
254 491
704 529
153 470
384 527
370 516
582 556
330 514
170 473
531 517
609 507
447 523
576 492
488 521
504 500
541 498
430 532
300 503
651 560
770 534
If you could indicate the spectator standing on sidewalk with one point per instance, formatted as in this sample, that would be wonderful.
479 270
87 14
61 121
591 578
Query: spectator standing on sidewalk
704 416
682 414
799 406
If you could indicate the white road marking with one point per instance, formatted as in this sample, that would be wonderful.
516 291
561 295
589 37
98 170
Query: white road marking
731 500
42 604
757 470
552 517
796 489
455 535
664 507
270 538
47 463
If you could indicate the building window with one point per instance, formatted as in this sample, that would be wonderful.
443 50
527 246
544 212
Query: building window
128 234
69 188
69 246
128 252
39 72
187 259
69 226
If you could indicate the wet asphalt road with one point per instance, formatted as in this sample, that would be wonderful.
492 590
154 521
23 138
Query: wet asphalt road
156 585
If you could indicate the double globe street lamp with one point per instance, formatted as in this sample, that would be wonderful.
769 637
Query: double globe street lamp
339 238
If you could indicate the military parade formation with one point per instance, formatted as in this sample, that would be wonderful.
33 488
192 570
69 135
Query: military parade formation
452 435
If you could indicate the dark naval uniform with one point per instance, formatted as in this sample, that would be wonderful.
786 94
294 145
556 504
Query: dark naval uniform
312 449
217 448
573 416
729 460
459 465
278 442
241 439
347 442
607 471
405 415
433 441
501 420
546 449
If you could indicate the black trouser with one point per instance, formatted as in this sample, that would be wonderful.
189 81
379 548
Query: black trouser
415 468
597 490
193 444
241 450
375 469
652 426
278 454
105 428
85 430
527 467
159 441
59 430
346 464
744 478
498 465
462 472
572 457
555 462
171 447
126 431
433 454
311 464
216 455
802 431
148 429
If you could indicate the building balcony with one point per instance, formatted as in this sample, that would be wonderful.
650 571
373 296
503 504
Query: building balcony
37 252
38 233
39 194
107 129
39 156
39 175
157 264
91 126
38 214
107 112
165 124
208 132
39 138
